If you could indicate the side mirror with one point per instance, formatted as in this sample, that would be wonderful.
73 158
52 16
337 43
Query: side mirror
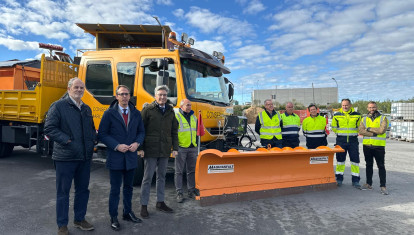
191 41
162 78
184 37
155 64
231 91
161 63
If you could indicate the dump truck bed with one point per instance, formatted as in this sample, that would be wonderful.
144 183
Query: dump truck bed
32 105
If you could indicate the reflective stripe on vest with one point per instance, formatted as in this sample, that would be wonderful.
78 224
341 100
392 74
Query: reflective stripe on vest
378 140
291 125
270 127
186 132
314 127
346 124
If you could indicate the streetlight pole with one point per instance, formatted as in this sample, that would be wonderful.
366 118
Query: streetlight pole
337 89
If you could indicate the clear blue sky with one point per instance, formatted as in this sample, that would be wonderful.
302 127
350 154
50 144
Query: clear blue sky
366 45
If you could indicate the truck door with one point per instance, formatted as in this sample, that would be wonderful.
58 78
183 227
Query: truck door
149 80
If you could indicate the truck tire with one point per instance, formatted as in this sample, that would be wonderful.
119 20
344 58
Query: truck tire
139 172
6 149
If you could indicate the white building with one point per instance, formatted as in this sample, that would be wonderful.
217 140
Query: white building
305 96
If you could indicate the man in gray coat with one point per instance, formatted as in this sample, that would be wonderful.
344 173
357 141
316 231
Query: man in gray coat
70 126
161 135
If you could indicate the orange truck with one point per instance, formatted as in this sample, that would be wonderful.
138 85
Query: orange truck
138 56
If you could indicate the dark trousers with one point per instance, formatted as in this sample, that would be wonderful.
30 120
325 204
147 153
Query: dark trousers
314 142
273 142
186 157
371 152
353 150
79 172
293 143
116 177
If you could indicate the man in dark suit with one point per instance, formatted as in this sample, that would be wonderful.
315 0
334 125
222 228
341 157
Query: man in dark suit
122 131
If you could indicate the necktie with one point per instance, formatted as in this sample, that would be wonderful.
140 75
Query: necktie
125 116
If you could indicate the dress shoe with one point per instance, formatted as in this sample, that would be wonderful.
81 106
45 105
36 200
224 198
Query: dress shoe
131 217
144 212
115 224
161 206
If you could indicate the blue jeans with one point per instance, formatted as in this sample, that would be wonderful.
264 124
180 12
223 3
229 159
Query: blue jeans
79 172
116 181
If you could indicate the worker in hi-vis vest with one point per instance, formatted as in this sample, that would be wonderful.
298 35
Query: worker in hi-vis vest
269 126
291 127
187 150
314 129
374 127
345 124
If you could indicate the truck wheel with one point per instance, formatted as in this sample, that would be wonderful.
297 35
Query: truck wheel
6 149
139 172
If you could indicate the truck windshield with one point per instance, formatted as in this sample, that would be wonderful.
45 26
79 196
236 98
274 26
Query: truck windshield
204 83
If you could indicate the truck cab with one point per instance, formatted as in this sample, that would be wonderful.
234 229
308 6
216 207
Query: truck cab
142 58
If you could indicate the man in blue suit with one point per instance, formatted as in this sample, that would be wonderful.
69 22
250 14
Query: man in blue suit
122 131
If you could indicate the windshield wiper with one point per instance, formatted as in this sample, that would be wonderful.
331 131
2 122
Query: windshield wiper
206 100
212 101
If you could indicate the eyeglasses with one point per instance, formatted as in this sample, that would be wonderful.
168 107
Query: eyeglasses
162 94
123 94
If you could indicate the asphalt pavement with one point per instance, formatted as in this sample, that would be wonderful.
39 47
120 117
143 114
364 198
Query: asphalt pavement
28 199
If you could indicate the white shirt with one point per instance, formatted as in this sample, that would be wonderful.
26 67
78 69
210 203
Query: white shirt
76 103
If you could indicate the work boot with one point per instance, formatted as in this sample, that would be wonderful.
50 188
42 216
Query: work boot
356 185
144 212
83 225
161 206
63 230
191 194
384 191
180 198
339 183
366 187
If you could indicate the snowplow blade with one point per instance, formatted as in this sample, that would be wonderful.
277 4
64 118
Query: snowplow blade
223 177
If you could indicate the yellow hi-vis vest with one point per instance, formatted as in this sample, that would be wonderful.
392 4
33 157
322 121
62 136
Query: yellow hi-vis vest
378 140
187 133
291 124
270 127
314 127
345 124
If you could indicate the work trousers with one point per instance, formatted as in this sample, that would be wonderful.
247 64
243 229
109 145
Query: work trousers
79 172
371 152
273 142
314 142
152 164
116 178
353 150
291 142
186 157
